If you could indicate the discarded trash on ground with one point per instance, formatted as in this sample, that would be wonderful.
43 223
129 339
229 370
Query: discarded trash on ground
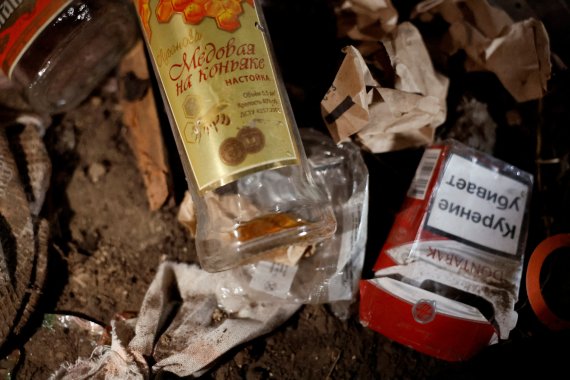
328 272
402 112
185 323
387 96
448 277
547 284
364 20
490 39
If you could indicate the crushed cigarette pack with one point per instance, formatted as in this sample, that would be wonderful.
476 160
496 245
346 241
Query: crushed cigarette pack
447 278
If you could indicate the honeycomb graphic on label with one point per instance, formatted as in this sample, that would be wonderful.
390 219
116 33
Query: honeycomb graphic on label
164 11
191 133
225 12
192 106
204 114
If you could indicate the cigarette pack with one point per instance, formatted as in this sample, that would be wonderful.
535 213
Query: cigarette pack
447 278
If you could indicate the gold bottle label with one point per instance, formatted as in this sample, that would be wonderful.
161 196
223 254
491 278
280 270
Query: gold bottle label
214 63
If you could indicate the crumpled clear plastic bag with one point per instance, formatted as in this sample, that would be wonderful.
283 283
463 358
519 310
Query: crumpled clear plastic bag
330 271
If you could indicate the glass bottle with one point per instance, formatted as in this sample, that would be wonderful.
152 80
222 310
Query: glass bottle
235 130
58 51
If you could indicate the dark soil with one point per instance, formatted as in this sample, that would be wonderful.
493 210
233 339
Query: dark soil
106 244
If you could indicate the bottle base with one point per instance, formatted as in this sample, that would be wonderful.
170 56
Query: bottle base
217 255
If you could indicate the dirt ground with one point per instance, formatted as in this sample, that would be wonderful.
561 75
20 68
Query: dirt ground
106 244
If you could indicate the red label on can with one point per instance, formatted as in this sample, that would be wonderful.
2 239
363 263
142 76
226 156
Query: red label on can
20 23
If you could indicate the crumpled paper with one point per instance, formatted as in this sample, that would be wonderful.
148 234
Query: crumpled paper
184 325
518 53
366 20
383 119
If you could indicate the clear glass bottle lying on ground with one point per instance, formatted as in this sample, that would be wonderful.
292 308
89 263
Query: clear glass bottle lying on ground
234 129
58 51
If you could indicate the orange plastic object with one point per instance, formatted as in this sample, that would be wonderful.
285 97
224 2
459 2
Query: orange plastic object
534 292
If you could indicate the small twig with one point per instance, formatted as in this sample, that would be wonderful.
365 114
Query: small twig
60 252
334 365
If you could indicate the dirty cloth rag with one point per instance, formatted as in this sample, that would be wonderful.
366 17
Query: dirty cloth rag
184 324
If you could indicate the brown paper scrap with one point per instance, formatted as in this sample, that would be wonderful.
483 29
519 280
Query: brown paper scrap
518 53
143 126
385 119
345 106
527 41
366 20
187 214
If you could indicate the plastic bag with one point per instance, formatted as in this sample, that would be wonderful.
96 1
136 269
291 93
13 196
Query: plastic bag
330 271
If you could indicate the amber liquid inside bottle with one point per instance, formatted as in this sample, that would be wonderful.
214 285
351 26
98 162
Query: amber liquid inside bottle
74 53
266 224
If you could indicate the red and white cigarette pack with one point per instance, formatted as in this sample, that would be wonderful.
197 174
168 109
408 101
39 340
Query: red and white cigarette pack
448 276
